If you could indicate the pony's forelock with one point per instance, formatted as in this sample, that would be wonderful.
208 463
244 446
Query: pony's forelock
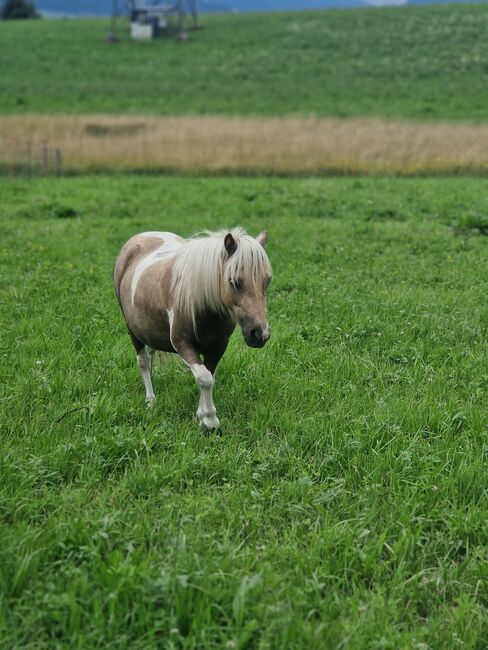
202 263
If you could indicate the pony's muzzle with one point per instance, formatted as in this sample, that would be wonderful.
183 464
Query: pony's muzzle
256 336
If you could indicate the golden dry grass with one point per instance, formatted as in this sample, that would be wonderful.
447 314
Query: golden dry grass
239 145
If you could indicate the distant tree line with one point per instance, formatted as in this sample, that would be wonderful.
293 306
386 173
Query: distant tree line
18 9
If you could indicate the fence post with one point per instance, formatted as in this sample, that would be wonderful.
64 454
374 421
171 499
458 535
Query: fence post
45 159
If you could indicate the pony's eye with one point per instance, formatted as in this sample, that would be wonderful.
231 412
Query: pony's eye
236 284
267 282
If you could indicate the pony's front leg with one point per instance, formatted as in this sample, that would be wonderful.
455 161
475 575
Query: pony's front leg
206 412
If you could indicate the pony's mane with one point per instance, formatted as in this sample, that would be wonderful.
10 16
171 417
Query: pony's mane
202 263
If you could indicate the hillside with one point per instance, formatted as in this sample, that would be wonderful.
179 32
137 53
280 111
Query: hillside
104 7
412 62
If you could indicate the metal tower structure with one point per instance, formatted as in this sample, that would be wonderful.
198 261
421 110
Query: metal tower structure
173 13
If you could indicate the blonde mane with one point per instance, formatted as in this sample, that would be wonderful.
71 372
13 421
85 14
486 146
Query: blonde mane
202 264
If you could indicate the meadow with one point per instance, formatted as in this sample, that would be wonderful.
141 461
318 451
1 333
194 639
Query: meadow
398 91
421 63
344 504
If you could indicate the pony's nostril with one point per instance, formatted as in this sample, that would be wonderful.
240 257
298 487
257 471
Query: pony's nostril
255 337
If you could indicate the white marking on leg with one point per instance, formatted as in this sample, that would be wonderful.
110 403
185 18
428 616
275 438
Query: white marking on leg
144 361
171 316
206 412
170 246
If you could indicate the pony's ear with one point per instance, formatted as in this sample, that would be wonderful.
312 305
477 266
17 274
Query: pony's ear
230 244
262 238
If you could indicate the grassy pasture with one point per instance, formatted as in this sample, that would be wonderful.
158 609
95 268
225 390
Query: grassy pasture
345 504
414 62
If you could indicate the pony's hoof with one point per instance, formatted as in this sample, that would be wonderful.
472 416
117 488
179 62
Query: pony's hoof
210 421
150 402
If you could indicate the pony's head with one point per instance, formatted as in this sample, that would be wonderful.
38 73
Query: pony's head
246 277
226 272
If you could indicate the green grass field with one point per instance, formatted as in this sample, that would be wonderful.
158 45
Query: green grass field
422 63
345 504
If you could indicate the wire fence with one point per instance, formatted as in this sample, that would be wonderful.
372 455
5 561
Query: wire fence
30 159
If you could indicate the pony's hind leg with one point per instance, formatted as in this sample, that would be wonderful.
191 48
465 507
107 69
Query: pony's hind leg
144 361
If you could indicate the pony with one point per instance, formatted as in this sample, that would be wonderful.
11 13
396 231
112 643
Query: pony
186 296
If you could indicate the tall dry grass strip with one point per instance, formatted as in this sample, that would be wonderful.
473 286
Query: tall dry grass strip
214 145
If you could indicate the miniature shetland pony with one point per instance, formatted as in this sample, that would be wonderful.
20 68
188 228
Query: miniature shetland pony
187 296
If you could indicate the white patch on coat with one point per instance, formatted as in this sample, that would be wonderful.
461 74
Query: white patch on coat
170 246
158 235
